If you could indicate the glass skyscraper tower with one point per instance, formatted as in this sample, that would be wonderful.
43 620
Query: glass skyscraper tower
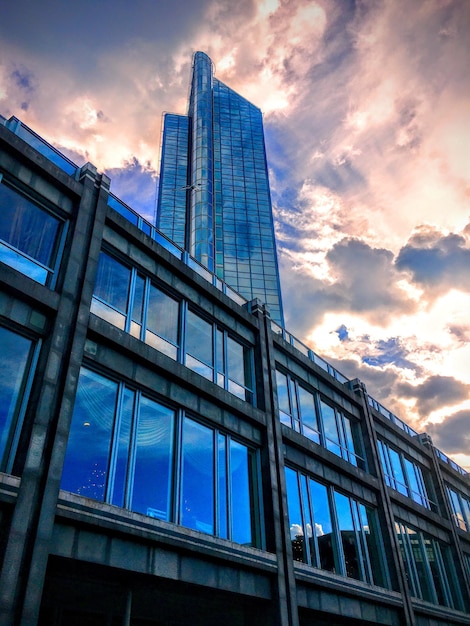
214 198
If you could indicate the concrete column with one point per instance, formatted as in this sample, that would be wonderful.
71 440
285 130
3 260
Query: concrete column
27 549
286 587
385 507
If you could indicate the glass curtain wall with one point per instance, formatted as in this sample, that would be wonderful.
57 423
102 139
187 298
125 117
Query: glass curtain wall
333 531
214 175
173 187
132 451
306 412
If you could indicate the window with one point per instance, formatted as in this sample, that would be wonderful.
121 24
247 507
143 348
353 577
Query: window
134 452
307 413
429 569
219 357
16 363
404 476
29 236
127 299
130 301
332 531
460 506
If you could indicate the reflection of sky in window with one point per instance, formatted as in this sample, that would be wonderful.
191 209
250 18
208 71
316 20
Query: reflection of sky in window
27 227
112 282
15 353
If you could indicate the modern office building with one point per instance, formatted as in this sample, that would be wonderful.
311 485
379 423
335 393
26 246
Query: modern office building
214 199
171 456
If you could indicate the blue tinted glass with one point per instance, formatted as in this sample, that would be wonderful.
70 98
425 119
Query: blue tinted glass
222 508
87 457
308 414
122 441
322 525
138 303
153 457
240 492
348 536
236 361
283 397
415 482
296 525
400 483
330 428
112 282
197 499
26 226
199 338
15 352
163 315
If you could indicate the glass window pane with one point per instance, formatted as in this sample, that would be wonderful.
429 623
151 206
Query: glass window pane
308 414
87 457
398 475
295 516
197 505
323 526
240 492
122 441
415 483
349 440
199 339
27 227
163 315
112 282
330 428
371 531
236 361
348 535
222 510
151 486
137 306
283 399
419 561
15 351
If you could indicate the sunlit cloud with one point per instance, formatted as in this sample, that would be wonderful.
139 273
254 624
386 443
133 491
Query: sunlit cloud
368 134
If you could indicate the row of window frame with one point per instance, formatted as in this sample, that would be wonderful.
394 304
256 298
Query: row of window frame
179 352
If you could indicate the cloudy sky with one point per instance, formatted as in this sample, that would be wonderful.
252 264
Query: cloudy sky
367 119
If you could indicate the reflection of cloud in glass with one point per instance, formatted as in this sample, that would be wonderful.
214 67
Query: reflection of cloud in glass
296 530
319 530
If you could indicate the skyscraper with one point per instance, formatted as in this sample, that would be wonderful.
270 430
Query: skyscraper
214 198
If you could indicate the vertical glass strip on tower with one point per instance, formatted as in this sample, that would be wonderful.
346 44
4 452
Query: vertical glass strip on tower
224 198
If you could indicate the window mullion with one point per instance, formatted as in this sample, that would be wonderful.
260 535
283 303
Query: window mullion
340 559
132 451
130 300
228 487
178 469
145 306
114 444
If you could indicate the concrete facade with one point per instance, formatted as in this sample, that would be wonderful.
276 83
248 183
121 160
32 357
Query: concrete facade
69 559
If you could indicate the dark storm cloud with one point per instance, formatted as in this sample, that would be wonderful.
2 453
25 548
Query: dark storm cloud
367 278
436 261
434 393
452 434
364 282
